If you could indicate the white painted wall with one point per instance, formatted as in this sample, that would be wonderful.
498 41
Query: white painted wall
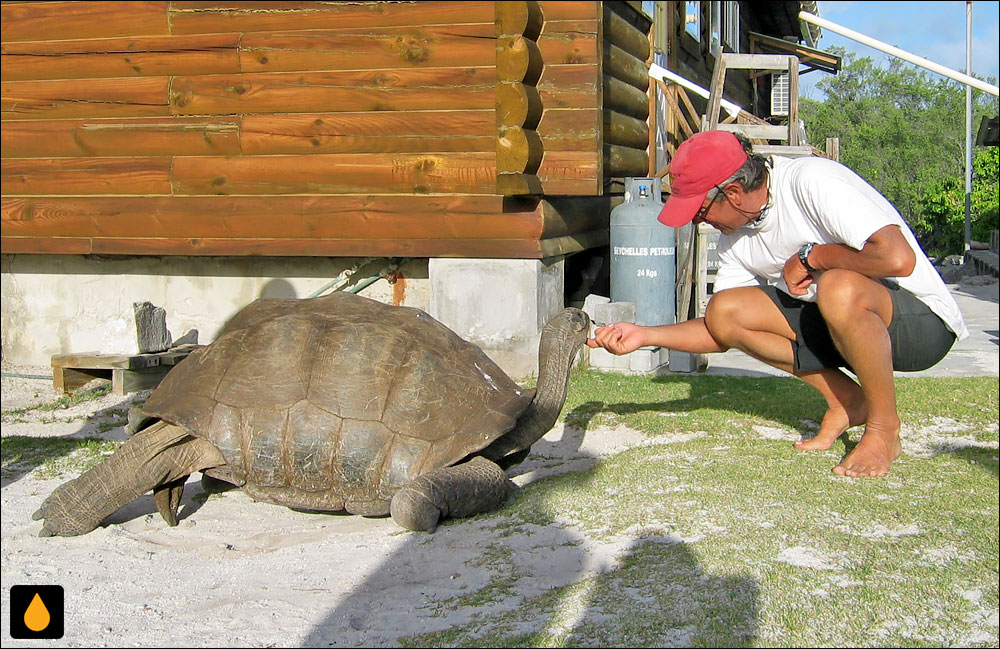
62 304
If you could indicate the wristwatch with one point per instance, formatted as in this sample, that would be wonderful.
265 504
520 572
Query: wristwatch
804 256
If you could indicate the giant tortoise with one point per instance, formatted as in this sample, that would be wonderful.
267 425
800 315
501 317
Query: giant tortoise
328 404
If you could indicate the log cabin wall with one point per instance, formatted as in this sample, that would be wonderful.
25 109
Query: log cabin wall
312 128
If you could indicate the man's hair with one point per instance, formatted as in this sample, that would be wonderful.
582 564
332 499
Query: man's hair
750 176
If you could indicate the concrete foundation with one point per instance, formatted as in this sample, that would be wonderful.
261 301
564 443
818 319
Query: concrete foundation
64 304
501 305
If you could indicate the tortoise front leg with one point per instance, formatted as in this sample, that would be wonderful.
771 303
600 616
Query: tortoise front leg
476 486
155 456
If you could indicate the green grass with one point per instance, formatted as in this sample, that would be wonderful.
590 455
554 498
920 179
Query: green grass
52 457
732 538
16 415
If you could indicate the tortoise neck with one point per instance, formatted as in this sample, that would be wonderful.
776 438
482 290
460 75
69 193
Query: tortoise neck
556 352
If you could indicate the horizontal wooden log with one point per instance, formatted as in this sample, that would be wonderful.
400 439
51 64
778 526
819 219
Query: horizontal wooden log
573 243
620 161
565 215
50 21
519 19
570 10
386 132
466 173
624 130
565 42
571 173
619 31
519 150
570 129
121 57
41 176
626 99
570 86
503 248
212 17
154 136
518 105
347 91
516 184
272 217
370 48
118 97
351 217
518 59
623 66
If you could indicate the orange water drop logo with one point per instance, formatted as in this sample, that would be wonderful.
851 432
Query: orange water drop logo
37 616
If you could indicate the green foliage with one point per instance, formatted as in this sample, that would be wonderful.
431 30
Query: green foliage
940 222
903 130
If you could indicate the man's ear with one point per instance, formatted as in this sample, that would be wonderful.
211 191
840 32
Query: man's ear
735 192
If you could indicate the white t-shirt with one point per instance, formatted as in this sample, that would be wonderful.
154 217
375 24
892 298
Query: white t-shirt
819 200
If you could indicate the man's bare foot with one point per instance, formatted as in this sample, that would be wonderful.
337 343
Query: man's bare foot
836 420
871 458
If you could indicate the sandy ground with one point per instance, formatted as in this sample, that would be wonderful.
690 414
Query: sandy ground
236 572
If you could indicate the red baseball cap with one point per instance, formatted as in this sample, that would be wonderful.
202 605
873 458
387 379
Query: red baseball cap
702 161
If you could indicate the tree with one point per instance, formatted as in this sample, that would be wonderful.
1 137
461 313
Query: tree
903 130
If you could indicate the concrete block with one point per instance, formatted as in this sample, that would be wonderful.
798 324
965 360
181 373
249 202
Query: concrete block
591 302
647 359
610 312
602 359
151 328
501 305
685 362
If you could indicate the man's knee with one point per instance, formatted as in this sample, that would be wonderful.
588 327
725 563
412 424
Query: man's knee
842 295
727 311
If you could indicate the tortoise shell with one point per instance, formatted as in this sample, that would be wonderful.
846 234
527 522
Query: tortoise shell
336 402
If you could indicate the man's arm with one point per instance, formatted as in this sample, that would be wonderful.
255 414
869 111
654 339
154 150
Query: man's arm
690 336
885 254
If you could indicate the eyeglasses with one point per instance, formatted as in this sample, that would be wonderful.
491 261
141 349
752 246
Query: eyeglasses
700 215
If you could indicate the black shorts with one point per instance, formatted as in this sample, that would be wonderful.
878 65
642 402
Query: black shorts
919 337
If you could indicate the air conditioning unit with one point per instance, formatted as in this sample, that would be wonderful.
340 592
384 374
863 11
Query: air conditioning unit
779 94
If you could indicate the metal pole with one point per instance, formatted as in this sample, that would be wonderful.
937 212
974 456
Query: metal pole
968 130
902 54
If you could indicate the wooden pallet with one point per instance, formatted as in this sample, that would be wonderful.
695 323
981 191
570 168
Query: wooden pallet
127 372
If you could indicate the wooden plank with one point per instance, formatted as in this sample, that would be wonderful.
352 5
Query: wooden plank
45 245
121 57
52 176
382 132
267 217
212 17
570 86
575 10
97 360
370 48
566 42
467 173
571 173
570 129
503 248
345 91
506 248
119 97
120 137
126 381
50 21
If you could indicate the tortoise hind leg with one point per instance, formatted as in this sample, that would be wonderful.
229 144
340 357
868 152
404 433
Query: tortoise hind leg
476 486
155 456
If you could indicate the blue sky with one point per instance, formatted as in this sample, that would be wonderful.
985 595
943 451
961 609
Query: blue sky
933 30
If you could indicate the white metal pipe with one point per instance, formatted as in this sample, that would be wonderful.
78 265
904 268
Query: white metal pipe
968 129
903 54
663 74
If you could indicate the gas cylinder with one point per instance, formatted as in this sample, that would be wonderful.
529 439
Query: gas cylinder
643 254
